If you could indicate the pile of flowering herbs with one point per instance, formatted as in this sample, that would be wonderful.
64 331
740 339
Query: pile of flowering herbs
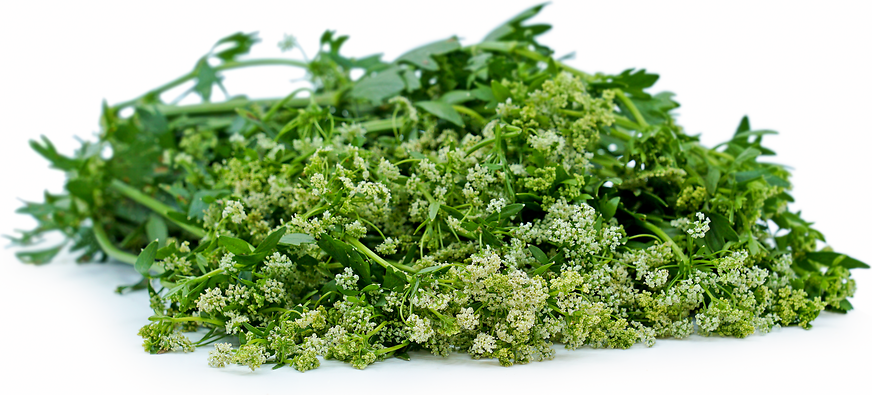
485 199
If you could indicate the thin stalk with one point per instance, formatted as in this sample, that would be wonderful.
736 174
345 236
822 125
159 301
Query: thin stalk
184 319
489 141
391 349
471 113
226 66
323 99
381 261
155 205
632 107
668 240
109 248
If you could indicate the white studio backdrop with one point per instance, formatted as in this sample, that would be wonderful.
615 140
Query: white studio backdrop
797 67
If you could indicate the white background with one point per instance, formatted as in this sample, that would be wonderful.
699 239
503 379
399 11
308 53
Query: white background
799 68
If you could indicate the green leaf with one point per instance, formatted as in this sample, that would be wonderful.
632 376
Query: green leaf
393 281
748 154
271 241
422 56
744 125
609 208
513 26
490 239
506 212
239 44
720 230
377 87
500 92
360 266
146 259
206 77
845 305
432 269
451 211
48 151
38 257
457 97
542 269
434 210
711 180
442 110
202 199
234 245
830 258
411 80
539 254
156 229
370 287
335 248
296 239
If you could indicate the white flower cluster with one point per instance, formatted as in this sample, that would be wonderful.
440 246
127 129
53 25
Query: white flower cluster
547 141
699 227
573 226
483 344
388 246
221 356
347 279
234 210
419 328
496 205
467 319
211 300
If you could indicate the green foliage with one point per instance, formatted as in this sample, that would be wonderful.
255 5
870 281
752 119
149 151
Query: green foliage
485 199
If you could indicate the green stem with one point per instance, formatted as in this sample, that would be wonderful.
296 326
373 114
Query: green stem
155 205
185 319
489 141
391 349
323 99
668 240
226 66
109 248
516 48
471 113
378 125
632 107
381 261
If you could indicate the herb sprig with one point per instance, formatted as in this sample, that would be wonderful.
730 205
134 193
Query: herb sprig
486 199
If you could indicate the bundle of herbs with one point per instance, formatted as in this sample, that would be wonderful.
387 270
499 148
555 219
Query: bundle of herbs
485 199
